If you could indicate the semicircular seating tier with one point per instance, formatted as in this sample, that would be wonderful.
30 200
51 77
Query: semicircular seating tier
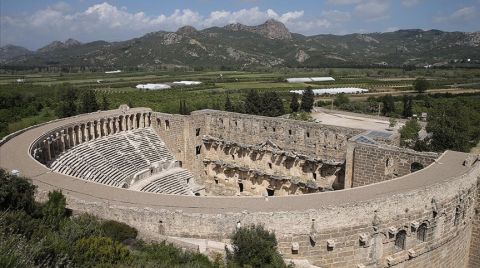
126 159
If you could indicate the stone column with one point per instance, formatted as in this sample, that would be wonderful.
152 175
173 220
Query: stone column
98 132
142 120
73 140
49 148
62 141
104 127
46 151
116 125
349 165
86 136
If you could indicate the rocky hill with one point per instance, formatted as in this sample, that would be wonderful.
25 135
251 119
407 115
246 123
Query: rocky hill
268 45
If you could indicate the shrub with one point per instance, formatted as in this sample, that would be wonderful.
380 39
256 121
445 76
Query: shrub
341 99
16 193
54 209
256 247
118 231
98 250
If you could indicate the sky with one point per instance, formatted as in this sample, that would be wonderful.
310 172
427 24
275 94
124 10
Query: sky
35 23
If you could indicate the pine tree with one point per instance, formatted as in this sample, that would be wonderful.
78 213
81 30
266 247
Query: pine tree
89 102
294 103
272 105
228 105
68 106
388 104
253 102
105 103
307 100
407 106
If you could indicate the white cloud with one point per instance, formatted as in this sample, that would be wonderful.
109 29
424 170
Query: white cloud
335 15
459 15
105 21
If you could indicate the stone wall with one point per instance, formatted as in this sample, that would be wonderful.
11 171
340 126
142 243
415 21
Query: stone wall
475 243
435 221
236 169
328 142
377 163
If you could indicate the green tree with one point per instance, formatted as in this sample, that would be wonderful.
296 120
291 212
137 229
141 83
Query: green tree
271 105
256 247
16 193
452 126
294 105
228 105
68 106
409 133
54 209
388 104
407 106
341 99
308 98
105 104
252 102
89 101
421 85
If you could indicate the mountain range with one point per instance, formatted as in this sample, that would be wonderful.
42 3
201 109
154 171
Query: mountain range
270 44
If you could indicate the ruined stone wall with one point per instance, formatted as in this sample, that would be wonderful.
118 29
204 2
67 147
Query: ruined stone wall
436 222
173 130
314 139
376 163
475 242
233 169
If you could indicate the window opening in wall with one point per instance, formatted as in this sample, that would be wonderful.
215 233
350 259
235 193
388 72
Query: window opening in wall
198 149
422 232
240 186
308 134
457 216
265 127
188 181
289 132
270 165
180 163
415 166
236 124
197 194
388 162
167 125
270 192
233 157
273 129
159 122
401 239
314 175
197 132
216 181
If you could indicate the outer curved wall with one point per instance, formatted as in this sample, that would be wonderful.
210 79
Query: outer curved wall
343 226
348 228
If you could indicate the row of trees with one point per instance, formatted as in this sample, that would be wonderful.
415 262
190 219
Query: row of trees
73 103
46 235
269 103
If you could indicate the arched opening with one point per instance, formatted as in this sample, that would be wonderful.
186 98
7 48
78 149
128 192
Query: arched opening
270 192
167 125
401 239
240 187
415 166
422 232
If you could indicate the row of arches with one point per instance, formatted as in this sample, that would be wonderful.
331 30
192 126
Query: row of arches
60 140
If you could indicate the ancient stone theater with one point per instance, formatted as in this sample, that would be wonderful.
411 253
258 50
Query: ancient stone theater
335 196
